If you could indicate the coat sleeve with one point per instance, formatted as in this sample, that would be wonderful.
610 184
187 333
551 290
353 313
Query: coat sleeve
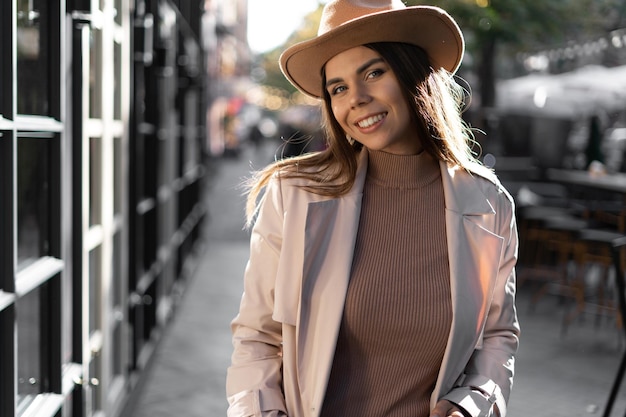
483 390
254 379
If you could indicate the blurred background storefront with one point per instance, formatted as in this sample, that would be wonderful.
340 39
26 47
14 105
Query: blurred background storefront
103 149
111 112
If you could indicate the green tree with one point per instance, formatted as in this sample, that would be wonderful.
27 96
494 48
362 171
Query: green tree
269 60
496 30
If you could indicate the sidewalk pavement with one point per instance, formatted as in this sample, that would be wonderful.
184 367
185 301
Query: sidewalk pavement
556 375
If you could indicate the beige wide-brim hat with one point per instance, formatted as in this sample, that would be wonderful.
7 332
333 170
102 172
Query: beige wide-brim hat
349 23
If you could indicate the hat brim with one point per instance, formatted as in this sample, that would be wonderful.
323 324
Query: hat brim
428 27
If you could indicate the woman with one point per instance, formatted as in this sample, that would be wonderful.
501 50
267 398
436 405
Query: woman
381 276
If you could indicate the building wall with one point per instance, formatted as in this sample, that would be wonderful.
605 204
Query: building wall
102 164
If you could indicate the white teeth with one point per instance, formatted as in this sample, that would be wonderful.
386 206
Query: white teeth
371 120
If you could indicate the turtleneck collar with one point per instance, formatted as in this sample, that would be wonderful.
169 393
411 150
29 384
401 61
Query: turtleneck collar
401 171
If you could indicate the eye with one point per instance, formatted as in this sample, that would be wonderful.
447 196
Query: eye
375 73
337 89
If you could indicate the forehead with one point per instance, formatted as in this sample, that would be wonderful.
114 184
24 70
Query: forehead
349 60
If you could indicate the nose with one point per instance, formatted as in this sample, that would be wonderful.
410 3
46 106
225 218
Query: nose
359 96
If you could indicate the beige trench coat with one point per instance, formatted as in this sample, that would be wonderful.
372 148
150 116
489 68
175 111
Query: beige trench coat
296 279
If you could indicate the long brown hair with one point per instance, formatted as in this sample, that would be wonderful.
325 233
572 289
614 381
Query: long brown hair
437 102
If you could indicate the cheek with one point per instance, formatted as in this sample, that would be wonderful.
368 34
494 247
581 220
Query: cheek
339 114
400 103
396 95
336 110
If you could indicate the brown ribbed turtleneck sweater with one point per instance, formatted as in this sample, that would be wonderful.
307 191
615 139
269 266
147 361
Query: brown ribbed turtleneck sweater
397 312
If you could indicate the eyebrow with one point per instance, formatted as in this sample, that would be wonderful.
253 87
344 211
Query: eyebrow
359 70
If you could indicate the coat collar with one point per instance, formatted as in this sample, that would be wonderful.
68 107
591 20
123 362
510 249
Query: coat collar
459 187
461 195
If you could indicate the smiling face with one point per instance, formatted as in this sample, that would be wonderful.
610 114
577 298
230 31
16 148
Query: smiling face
368 102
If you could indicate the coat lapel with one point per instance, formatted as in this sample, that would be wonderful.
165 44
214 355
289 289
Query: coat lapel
474 252
330 234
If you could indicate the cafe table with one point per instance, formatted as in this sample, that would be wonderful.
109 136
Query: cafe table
608 183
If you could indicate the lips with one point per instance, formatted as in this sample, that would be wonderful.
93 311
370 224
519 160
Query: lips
370 121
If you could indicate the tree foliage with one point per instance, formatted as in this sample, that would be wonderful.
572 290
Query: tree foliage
269 60
496 30
532 24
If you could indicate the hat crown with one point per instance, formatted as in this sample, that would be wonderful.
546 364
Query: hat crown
338 12
345 24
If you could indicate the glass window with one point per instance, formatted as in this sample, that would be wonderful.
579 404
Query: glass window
33 203
95 370
95 180
95 75
118 175
119 354
33 36
95 296
119 358
190 151
151 166
117 289
117 81
29 340
118 11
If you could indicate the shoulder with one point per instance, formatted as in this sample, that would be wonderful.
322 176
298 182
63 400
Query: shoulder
476 178
490 181
293 185
315 179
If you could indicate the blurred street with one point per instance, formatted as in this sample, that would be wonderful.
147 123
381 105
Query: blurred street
557 375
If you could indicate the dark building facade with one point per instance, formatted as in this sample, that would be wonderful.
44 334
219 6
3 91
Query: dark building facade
103 109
